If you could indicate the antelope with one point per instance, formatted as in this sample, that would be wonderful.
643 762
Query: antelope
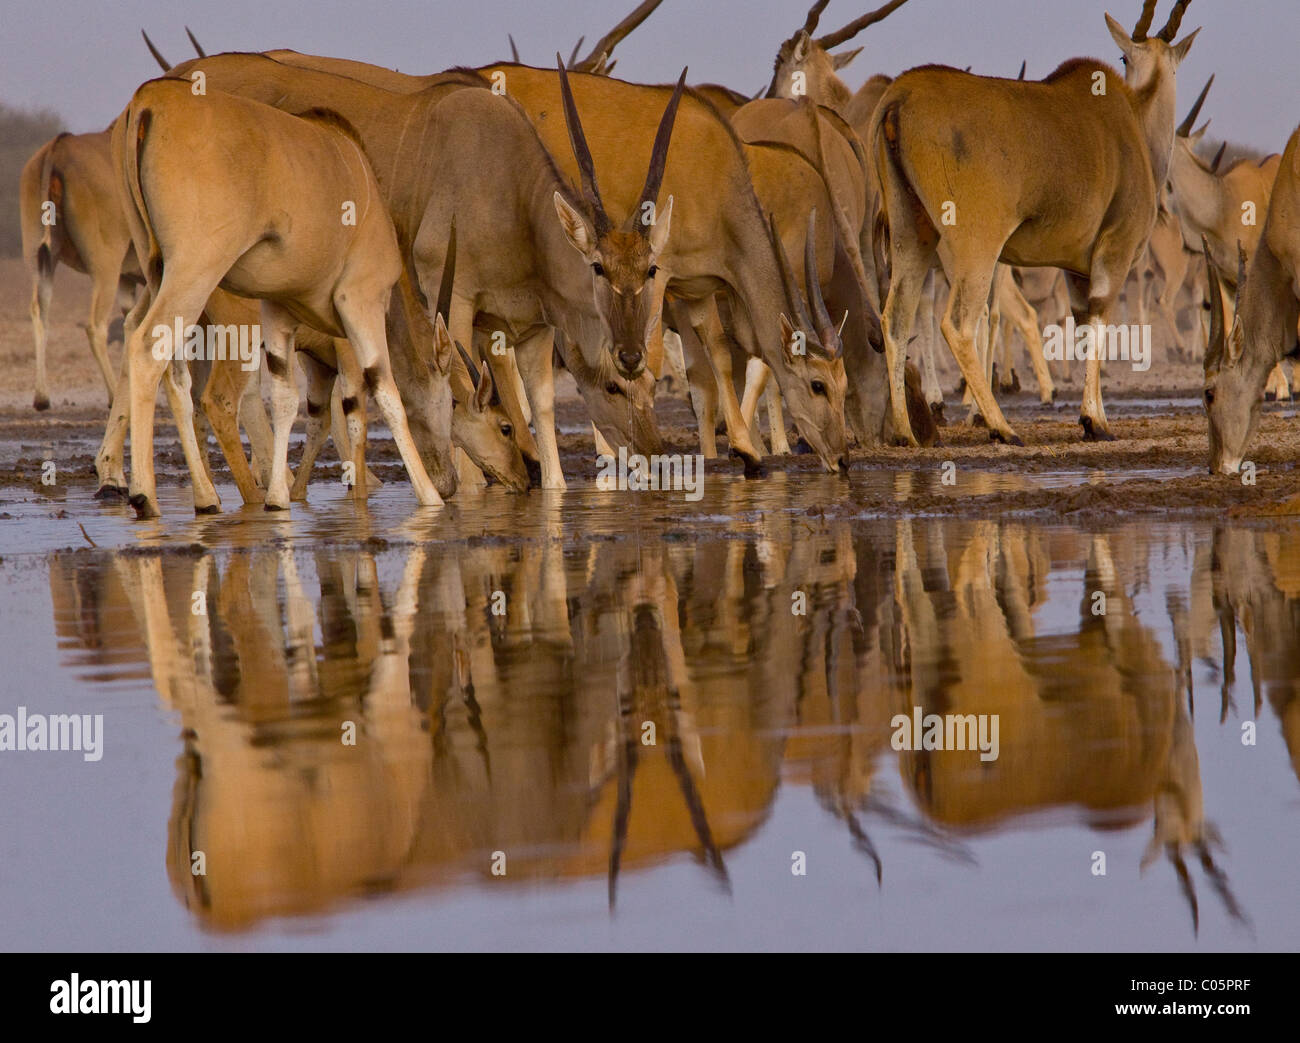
291 250
805 66
560 281
73 176
1266 308
1012 198
720 239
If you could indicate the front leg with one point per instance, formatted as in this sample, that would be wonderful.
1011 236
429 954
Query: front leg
277 331
708 329
533 355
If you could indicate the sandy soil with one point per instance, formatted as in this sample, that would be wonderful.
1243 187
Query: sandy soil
1158 463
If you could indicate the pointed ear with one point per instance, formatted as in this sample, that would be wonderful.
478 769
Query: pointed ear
483 393
442 345
1184 45
1117 33
659 230
838 61
577 229
787 338
802 45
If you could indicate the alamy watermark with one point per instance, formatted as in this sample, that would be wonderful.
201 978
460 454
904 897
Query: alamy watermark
38 732
679 472
213 343
951 731
1114 343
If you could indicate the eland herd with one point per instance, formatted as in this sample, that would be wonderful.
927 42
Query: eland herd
440 243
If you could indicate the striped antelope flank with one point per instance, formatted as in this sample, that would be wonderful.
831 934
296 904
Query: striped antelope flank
67 200
1262 331
191 219
1052 173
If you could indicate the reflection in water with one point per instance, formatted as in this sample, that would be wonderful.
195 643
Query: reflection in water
358 721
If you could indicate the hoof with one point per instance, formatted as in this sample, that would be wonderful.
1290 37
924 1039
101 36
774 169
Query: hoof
978 421
214 508
274 507
1092 433
753 467
111 492
41 403
143 508
1269 396
997 436
1055 393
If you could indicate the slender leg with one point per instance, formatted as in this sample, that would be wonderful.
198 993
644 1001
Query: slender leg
178 383
42 291
365 330
708 328
222 398
320 390
144 371
103 297
534 356
966 305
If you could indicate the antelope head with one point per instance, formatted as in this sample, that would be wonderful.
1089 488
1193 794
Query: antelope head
812 381
1150 64
1231 390
479 424
804 64
621 409
623 261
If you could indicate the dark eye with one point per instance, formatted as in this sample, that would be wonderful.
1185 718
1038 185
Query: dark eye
507 430
818 388
597 267
1209 397
1123 59
654 270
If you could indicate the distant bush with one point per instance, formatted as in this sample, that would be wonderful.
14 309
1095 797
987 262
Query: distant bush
21 134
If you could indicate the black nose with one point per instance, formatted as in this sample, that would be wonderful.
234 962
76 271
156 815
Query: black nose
534 469
844 465
630 362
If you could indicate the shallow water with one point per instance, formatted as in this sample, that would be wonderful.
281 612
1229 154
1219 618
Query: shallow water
639 711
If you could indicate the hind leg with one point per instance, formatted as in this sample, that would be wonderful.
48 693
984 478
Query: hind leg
109 466
970 279
701 388
42 291
145 368
912 259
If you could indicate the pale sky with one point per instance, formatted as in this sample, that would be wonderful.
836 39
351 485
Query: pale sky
83 58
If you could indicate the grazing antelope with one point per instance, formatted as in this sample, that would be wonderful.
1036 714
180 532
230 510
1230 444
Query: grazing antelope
67 200
555 281
1266 308
275 233
978 170
720 239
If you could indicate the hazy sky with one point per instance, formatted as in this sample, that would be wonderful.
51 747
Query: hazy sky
83 58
